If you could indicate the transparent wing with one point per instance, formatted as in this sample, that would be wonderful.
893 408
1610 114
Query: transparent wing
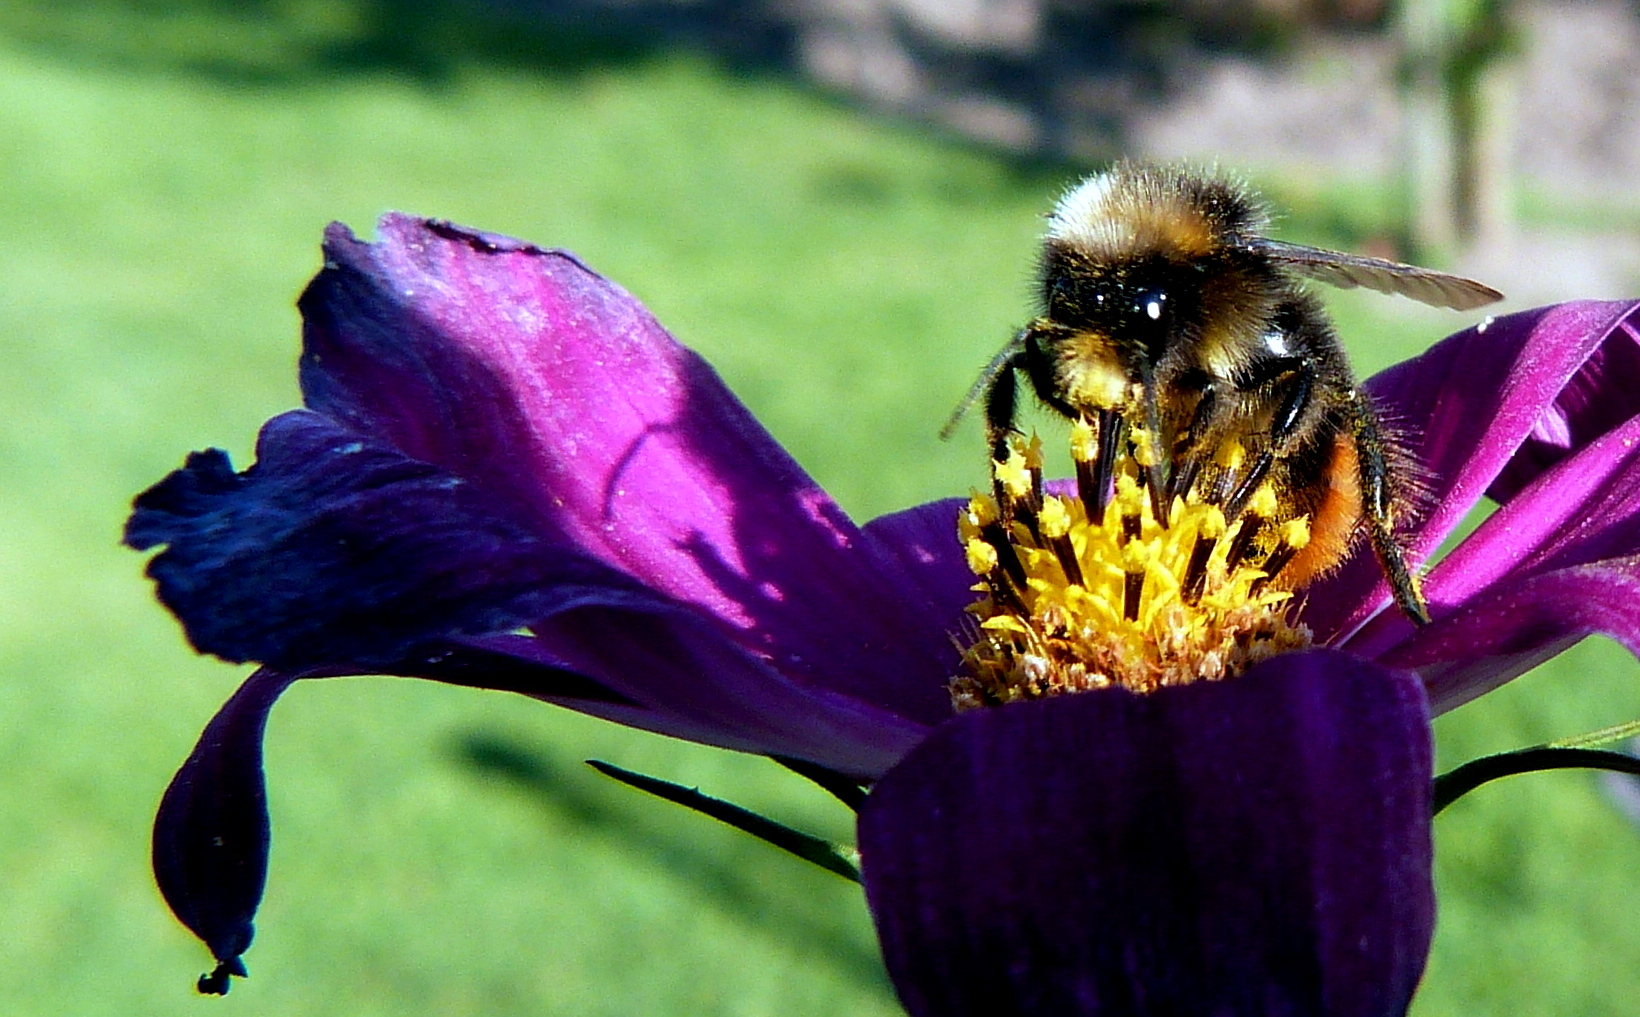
1348 271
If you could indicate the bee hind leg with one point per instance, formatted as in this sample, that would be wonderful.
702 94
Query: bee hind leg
1378 511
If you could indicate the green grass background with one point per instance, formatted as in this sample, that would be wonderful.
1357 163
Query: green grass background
165 172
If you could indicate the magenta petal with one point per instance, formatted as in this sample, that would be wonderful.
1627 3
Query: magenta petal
1603 394
1555 563
1259 846
1583 509
211 833
1487 409
524 372
1517 624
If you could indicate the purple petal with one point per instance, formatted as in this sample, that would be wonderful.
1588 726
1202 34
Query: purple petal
211 834
555 391
1604 393
1483 412
332 551
919 545
1515 625
1555 563
688 681
334 555
1257 846
1584 508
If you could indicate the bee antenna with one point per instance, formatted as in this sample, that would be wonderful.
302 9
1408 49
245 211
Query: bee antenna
961 411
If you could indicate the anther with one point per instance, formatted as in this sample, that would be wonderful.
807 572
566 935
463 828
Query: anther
1033 467
1136 561
1085 453
1003 591
1132 525
1151 471
1130 504
1012 477
1229 459
1249 484
1158 495
1183 479
996 534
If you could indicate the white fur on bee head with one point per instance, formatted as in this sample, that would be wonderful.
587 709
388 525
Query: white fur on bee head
1136 209
1084 216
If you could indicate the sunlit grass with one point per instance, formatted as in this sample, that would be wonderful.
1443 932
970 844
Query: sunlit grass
440 850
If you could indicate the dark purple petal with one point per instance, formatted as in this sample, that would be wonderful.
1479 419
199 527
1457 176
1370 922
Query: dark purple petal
554 391
494 663
1483 412
690 682
1585 508
332 551
1258 846
211 834
919 545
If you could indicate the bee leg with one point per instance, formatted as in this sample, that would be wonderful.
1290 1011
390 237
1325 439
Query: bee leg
1006 360
1378 508
1001 403
1295 383
1187 453
1112 436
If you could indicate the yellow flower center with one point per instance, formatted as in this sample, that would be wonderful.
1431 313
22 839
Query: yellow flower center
1090 590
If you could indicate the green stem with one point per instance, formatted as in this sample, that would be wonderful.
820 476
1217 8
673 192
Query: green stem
1454 784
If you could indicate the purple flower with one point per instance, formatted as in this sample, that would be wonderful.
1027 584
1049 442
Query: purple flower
507 475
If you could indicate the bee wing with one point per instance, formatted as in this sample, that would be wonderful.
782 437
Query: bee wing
1348 271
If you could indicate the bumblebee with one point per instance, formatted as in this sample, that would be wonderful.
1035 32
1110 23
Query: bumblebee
1188 340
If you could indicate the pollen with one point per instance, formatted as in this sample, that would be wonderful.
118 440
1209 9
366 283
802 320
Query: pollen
1090 589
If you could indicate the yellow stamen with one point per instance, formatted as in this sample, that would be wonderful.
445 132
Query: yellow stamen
1144 446
1084 442
1014 475
1264 502
982 557
1122 600
1054 519
1295 533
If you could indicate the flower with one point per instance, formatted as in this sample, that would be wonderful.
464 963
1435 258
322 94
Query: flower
507 475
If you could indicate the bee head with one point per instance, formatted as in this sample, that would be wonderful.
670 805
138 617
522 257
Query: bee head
1145 256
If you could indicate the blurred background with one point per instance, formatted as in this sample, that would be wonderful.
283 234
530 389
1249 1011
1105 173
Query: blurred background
837 201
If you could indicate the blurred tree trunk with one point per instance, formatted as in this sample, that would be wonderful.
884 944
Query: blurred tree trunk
1458 95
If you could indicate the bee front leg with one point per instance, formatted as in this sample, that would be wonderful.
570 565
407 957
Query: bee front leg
1378 510
997 386
1001 403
